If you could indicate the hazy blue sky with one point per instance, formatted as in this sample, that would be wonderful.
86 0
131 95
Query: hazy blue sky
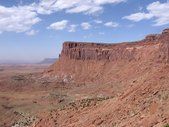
31 30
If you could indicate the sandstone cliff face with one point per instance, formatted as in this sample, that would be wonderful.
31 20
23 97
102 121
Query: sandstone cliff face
92 51
91 61
113 52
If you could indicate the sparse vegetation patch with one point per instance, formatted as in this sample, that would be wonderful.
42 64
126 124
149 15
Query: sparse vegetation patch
167 125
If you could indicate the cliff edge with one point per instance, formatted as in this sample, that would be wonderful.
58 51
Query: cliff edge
90 62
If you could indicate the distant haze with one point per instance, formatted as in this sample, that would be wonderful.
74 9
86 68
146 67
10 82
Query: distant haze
48 61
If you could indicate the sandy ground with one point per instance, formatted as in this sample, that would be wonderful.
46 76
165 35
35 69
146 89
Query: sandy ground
28 99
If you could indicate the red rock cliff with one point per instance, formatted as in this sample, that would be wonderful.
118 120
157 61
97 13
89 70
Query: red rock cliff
112 52
86 60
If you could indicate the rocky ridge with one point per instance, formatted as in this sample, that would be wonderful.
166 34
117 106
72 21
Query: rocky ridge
112 52
134 76
96 61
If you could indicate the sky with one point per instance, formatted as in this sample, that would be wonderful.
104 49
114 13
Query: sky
31 30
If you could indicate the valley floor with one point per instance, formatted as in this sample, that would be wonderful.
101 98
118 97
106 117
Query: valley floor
28 99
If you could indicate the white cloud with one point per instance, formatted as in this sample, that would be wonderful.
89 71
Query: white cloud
60 25
156 10
86 25
32 32
87 9
72 28
160 11
74 6
17 19
21 18
111 24
98 21
101 2
138 17
64 24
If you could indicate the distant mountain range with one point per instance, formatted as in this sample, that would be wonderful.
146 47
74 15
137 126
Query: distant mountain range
11 62
48 61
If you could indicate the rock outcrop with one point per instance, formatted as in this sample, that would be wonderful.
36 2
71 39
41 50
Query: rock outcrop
88 60
112 52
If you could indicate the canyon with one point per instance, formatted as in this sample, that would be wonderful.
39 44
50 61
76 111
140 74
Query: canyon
91 85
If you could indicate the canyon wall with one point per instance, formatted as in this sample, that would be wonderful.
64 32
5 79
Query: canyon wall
113 52
92 61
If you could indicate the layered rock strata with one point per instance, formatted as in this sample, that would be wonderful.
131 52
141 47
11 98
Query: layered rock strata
89 61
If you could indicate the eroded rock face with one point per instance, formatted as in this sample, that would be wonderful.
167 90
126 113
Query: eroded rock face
92 51
112 52
94 61
166 31
152 38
